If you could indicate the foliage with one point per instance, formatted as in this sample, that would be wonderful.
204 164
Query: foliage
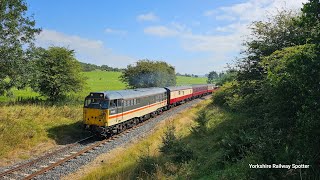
212 76
57 73
86 67
147 166
228 76
148 73
277 85
201 128
17 32
175 149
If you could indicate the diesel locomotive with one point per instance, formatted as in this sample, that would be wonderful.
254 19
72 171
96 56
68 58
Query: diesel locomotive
110 112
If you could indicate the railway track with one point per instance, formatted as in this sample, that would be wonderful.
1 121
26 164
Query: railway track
43 164
18 170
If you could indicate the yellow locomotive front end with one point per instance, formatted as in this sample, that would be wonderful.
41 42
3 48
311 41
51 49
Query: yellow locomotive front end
98 117
96 112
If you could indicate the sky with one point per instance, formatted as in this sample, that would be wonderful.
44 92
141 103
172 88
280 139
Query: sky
195 36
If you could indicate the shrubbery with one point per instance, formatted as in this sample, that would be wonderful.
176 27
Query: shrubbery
278 86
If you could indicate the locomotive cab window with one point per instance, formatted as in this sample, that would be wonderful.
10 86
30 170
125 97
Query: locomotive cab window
113 103
96 103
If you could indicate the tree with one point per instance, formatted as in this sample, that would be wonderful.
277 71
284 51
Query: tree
146 73
57 73
212 76
17 32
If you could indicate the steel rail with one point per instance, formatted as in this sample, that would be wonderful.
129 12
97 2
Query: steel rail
42 157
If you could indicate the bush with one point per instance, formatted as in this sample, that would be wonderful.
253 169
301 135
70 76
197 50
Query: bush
201 120
174 148
220 97
147 166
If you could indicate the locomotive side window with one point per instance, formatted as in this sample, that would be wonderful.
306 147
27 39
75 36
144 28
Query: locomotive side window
119 102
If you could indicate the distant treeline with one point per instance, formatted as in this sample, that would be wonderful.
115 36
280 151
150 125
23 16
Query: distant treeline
187 75
91 67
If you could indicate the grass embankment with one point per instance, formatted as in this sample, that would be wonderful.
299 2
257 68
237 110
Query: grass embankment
29 130
122 163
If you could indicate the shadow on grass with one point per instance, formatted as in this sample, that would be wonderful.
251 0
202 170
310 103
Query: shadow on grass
66 134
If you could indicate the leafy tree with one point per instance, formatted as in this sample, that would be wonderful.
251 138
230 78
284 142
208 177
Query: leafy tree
17 32
57 73
148 73
228 76
86 67
212 76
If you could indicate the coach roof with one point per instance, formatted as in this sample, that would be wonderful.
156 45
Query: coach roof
132 93
178 88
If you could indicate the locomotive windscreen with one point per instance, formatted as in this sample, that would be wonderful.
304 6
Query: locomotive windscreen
96 103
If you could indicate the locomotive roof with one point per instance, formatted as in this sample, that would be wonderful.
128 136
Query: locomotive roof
131 93
176 88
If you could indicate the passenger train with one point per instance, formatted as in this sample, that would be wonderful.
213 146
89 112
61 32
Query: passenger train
110 112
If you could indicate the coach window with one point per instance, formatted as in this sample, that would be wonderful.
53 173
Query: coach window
119 102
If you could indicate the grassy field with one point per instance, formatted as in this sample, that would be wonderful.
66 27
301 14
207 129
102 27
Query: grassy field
183 80
100 81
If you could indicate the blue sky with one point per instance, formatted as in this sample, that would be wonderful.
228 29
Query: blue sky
195 36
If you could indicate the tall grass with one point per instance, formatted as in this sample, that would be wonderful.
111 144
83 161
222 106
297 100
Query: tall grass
22 128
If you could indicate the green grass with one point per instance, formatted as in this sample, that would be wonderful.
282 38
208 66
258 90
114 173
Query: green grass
183 80
100 81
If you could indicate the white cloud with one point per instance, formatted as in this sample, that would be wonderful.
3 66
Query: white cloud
259 9
87 50
210 13
115 31
161 31
226 43
225 17
147 17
